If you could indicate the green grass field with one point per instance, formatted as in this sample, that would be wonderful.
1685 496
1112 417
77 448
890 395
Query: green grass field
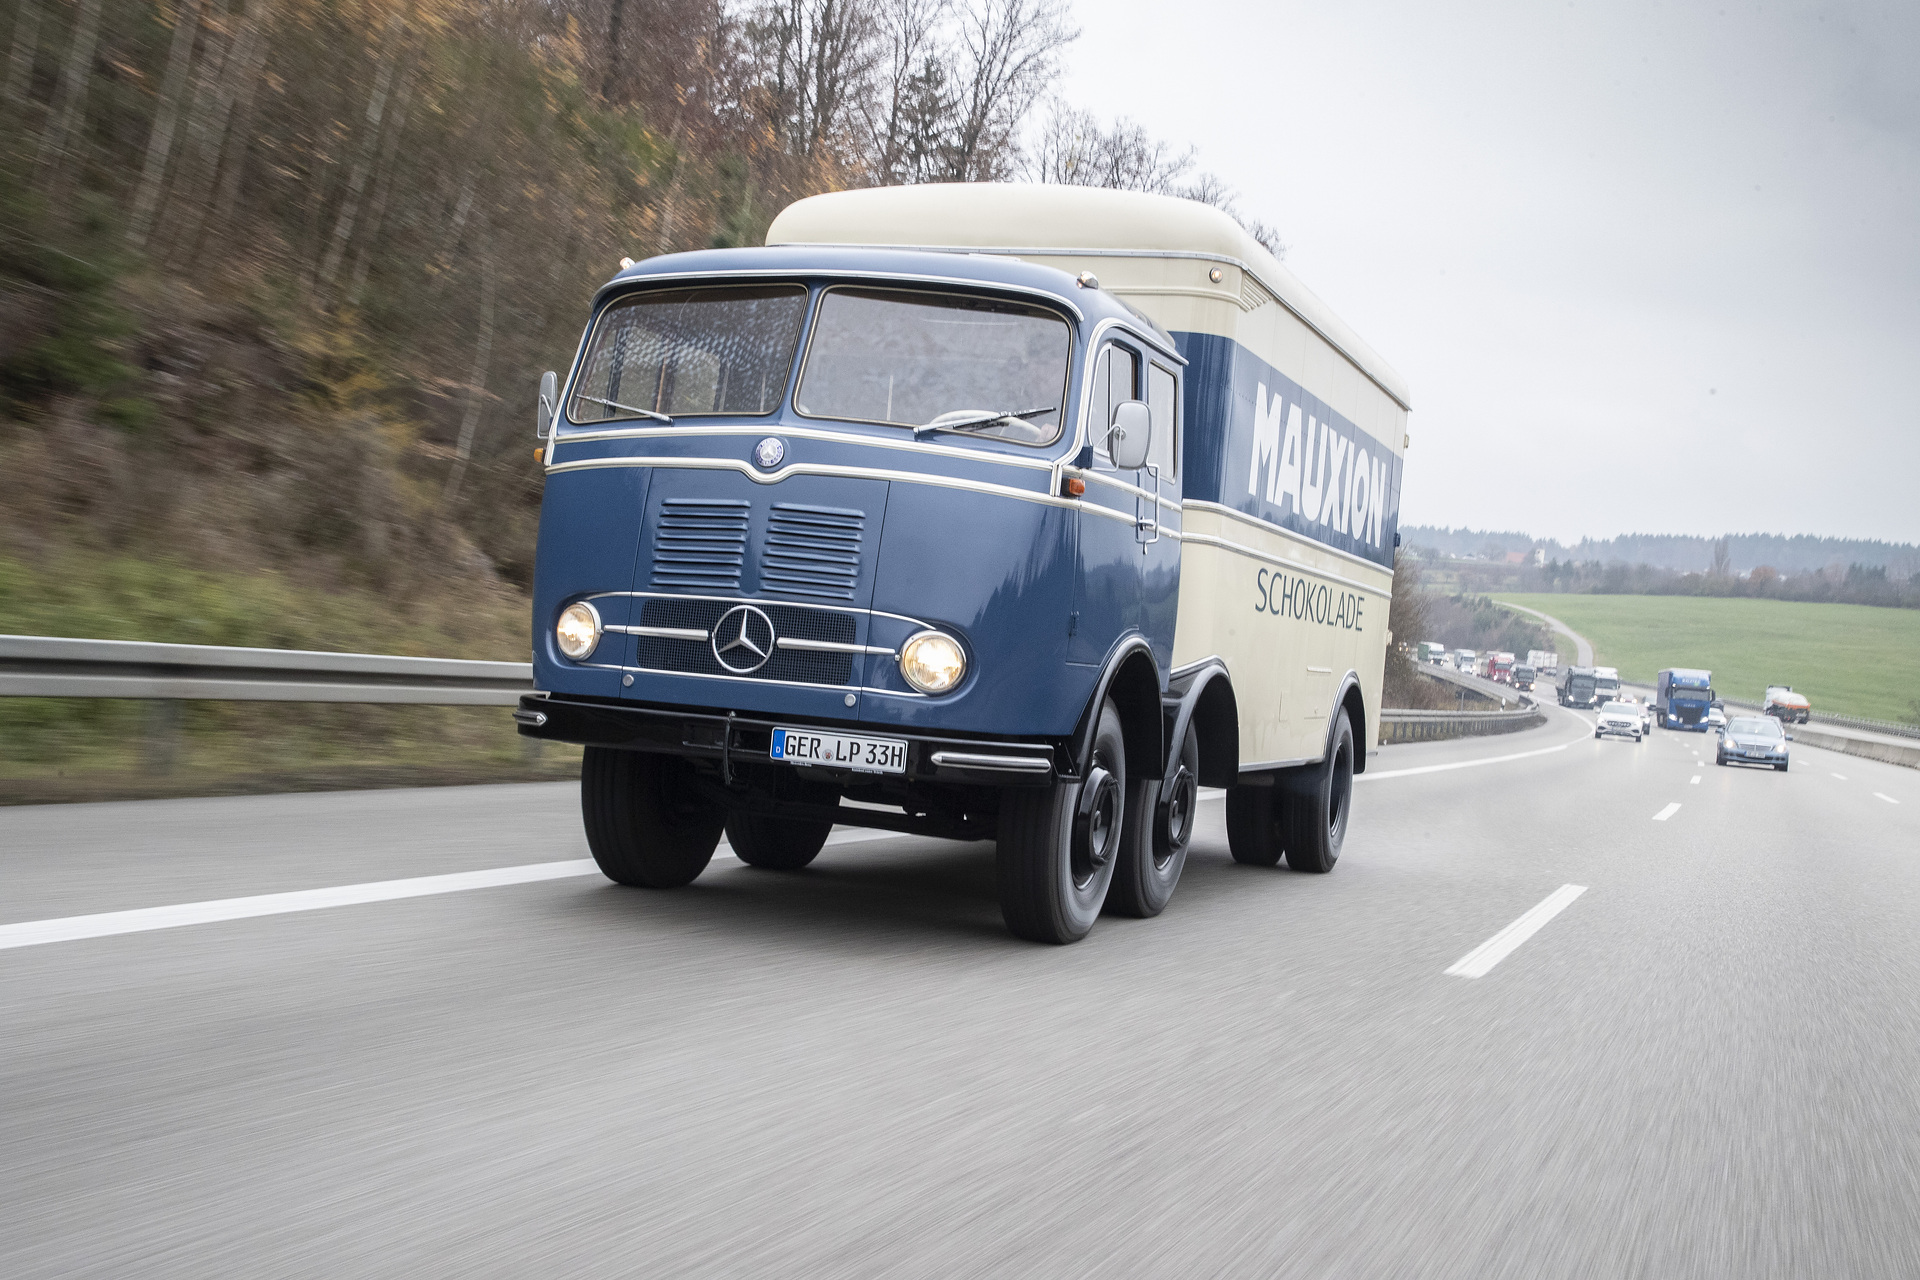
1847 659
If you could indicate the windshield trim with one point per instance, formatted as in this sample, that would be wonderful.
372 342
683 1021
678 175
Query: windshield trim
813 327
604 302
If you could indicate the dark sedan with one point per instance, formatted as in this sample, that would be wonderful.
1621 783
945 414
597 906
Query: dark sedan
1753 740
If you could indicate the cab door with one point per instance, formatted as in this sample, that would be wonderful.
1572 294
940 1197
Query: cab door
1106 590
1158 530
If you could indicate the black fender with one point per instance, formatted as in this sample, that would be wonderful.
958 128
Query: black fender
1132 678
1204 691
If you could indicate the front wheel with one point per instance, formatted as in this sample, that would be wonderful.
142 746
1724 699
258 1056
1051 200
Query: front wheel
641 827
1153 850
1058 845
775 844
1317 809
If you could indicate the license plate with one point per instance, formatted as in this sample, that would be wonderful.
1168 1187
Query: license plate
840 750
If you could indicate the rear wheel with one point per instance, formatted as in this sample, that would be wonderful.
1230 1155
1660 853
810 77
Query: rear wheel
1256 825
1317 809
1058 845
1153 851
775 844
641 827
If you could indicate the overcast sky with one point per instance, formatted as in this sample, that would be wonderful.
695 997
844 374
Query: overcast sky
1646 267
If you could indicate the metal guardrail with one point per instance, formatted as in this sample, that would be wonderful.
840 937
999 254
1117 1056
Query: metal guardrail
55 667
1429 726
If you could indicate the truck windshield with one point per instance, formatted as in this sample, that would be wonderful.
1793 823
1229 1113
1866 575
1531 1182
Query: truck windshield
915 359
682 352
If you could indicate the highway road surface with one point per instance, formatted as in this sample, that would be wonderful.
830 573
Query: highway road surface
1565 1008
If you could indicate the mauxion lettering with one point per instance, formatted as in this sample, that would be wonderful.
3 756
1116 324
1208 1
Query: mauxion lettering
1330 479
1286 596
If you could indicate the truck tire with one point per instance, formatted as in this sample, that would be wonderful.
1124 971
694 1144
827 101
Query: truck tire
639 826
1153 849
1317 811
775 844
1058 845
1256 825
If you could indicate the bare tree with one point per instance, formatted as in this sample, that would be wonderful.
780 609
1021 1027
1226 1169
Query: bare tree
903 114
816 59
1074 150
1006 52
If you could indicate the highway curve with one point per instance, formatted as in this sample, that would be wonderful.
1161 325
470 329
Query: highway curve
1703 1065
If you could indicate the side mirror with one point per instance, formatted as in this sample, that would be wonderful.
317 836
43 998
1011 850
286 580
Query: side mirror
1131 433
543 413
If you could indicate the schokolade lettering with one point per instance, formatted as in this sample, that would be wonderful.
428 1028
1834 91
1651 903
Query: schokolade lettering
1285 596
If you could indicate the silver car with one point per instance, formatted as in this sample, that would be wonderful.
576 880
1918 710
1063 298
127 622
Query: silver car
1753 740
1621 719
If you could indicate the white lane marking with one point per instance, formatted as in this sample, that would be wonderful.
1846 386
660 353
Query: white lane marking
1841 776
1882 796
1479 961
33 933
1694 781
1371 776
1667 812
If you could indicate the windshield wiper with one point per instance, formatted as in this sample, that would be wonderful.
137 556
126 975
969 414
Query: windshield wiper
615 404
978 420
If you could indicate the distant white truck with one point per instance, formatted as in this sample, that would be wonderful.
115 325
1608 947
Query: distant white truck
1432 651
1786 706
1543 660
1463 660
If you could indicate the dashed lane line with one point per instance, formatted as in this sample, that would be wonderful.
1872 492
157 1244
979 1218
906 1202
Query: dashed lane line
1694 781
1667 812
33 933
1881 795
1478 962
1841 776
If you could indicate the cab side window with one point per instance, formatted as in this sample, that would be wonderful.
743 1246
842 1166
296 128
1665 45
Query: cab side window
1115 380
1164 404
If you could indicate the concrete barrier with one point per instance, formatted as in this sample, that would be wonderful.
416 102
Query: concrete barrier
1854 744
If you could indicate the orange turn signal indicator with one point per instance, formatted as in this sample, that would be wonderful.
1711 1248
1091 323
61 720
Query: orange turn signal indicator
1073 486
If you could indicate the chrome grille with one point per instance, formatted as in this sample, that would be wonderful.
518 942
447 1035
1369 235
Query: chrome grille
812 551
700 543
696 656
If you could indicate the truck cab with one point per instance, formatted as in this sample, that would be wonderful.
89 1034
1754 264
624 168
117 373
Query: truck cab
851 530
1683 696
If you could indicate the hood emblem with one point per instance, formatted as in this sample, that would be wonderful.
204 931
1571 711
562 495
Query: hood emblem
769 452
743 639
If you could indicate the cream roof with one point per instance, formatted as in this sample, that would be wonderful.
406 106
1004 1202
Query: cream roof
1034 218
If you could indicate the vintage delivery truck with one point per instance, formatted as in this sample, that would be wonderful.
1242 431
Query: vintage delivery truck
1011 513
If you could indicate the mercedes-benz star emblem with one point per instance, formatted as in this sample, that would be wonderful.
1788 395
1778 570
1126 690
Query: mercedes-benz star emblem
769 452
743 639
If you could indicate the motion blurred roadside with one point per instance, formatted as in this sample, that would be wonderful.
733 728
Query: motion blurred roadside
273 279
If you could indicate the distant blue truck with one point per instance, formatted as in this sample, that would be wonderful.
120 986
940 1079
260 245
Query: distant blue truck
1682 699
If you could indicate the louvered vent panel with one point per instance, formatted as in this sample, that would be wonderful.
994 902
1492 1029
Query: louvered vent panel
812 551
1253 294
701 543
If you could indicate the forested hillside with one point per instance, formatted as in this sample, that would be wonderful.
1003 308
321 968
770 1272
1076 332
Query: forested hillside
277 276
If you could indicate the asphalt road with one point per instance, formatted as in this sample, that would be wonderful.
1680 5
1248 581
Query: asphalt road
1704 1065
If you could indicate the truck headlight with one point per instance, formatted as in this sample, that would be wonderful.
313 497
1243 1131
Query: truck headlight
933 662
578 631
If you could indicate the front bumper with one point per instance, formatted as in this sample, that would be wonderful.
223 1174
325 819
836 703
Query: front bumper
732 740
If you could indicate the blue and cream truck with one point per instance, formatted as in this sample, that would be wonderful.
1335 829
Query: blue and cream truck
1012 513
